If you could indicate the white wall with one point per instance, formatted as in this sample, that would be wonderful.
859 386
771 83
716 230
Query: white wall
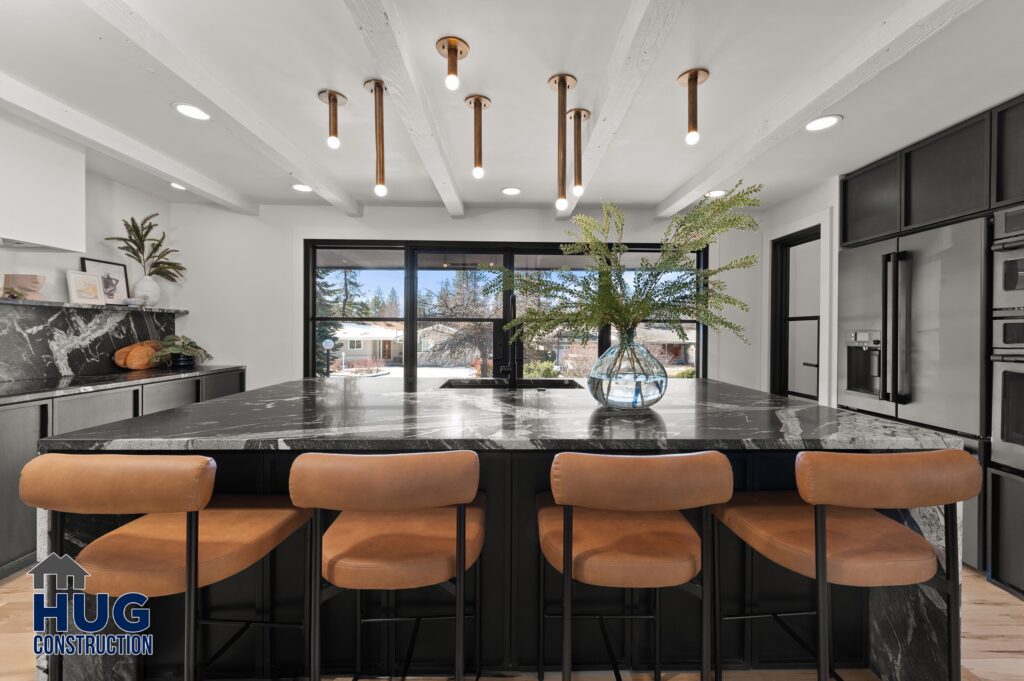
106 203
42 187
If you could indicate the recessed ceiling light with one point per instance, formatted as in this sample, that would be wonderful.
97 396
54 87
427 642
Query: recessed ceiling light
511 191
179 187
823 122
302 188
715 193
192 111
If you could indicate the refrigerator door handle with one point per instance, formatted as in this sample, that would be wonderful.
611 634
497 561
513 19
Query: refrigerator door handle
883 376
902 380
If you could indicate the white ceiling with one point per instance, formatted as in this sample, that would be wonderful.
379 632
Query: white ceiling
256 66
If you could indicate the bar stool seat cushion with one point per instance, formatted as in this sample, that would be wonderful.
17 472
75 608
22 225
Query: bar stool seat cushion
864 547
624 549
147 555
399 549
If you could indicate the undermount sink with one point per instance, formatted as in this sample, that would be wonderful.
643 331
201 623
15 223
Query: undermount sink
522 383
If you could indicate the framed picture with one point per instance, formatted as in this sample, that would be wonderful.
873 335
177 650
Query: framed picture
113 276
85 288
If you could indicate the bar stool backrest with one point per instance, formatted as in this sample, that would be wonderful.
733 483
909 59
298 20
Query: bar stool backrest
384 482
118 483
896 480
663 482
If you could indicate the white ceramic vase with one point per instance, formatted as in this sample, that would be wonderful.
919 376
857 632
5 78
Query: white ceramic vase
147 289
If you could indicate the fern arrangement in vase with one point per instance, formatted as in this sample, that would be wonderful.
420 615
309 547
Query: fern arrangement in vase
151 254
607 291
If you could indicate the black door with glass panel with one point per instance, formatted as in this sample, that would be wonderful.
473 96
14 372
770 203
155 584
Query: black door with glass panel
795 305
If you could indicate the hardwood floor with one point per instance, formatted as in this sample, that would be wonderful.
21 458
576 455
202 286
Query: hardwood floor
993 639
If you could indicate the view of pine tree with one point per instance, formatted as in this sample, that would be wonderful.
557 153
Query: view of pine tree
392 307
462 296
350 294
327 305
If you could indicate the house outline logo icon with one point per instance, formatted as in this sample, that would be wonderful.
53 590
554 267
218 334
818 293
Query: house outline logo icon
69 574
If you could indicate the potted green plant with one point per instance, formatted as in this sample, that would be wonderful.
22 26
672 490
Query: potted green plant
668 287
180 352
151 253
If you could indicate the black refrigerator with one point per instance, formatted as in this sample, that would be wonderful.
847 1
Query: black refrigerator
912 316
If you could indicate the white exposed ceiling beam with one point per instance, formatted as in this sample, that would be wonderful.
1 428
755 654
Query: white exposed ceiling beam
378 22
51 114
644 31
910 23
250 126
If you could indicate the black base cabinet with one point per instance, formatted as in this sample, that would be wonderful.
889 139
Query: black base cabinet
22 425
1005 510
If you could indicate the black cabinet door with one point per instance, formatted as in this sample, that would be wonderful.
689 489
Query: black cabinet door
1008 142
947 176
871 201
219 385
169 394
21 426
1005 496
93 409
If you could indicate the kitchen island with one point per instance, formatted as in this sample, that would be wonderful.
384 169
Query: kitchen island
254 436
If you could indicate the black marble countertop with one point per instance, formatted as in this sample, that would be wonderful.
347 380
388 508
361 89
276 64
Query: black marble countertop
60 386
375 414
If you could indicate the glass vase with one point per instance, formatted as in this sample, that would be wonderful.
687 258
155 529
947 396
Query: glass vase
627 376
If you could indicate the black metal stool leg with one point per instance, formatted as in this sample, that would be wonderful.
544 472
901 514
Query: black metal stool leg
541 619
359 635
705 595
567 594
821 584
191 671
716 585
460 593
314 576
55 664
478 620
952 591
657 634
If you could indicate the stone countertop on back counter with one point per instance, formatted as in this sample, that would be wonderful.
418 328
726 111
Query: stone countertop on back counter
376 414
61 386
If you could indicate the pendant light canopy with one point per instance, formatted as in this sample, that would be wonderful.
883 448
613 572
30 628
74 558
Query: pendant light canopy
333 100
376 86
690 80
478 103
577 116
561 83
452 49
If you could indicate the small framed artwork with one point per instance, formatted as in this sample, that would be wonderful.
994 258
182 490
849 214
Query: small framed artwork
113 276
85 288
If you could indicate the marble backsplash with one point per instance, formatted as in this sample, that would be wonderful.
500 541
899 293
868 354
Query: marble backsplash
47 341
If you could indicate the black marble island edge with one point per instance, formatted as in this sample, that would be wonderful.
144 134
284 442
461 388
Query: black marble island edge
898 632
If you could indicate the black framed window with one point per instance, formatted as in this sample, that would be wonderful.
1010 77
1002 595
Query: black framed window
417 309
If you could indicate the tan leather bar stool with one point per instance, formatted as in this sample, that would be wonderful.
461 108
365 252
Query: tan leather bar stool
186 539
407 521
827 530
615 521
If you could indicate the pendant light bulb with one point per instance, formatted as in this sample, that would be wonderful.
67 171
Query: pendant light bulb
577 190
452 49
376 88
451 81
690 80
577 116
333 100
478 103
562 203
380 190
692 137
478 172
334 142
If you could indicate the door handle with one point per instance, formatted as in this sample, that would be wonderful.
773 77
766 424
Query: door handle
902 380
808 364
883 354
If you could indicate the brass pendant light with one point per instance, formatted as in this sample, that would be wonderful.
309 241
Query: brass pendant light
453 49
376 86
561 83
333 100
690 80
478 103
577 116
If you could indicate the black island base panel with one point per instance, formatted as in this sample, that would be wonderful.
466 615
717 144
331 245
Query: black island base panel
254 437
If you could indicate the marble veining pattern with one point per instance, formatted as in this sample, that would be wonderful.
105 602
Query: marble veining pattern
343 414
40 341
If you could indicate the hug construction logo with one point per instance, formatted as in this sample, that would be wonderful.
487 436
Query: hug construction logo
63 627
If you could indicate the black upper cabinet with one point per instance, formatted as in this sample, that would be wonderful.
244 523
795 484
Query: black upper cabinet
871 201
947 176
1008 143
